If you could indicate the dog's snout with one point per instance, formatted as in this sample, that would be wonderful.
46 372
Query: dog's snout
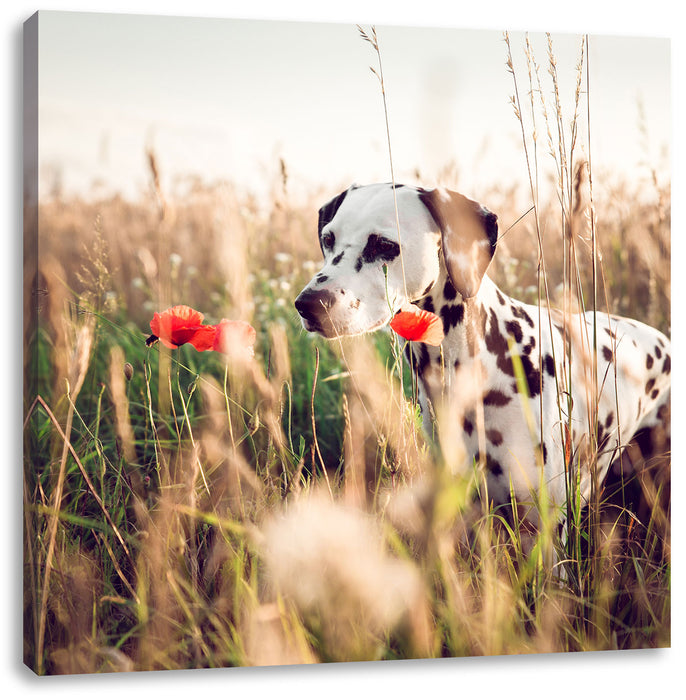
312 305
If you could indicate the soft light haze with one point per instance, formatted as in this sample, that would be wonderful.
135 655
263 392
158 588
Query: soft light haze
226 99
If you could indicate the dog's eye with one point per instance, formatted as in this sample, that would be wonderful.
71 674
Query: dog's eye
379 248
384 246
328 240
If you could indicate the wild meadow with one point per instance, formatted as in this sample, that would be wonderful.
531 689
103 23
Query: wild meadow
187 509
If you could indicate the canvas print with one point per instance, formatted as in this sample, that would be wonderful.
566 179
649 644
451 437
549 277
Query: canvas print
342 343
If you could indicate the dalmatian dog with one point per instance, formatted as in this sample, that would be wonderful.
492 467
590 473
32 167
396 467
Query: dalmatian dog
512 380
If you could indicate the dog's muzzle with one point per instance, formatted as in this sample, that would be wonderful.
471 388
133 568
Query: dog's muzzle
314 307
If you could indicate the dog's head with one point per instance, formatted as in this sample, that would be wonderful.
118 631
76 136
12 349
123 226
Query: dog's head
365 280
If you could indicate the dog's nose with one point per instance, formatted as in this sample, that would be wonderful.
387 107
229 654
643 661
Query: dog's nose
312 305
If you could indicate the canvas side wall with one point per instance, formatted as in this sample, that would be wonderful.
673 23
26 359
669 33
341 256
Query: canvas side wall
30 204
30 287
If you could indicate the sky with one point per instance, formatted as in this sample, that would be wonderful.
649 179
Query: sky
227 99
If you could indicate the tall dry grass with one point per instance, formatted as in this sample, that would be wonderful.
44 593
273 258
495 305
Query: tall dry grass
182 511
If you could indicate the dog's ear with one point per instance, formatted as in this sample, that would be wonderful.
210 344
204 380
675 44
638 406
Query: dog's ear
328 211
469 233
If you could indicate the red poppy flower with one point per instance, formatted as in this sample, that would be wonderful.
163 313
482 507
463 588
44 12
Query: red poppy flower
413 323
179 325
235 338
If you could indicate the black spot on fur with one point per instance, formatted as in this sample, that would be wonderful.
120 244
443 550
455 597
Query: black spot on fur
492 465
521 313
427 304
654 393
607 354
609 420
322 278
544 452
515 330
533 376
549 364
496 343
529 347
423 359
658 352
667 365
501 298
649 361
467 426
449 292
649 385
358 263
611 333
495 437
496 398
338 258
451 315
380 249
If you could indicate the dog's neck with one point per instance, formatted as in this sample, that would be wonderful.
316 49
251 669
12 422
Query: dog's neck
466 323
464 319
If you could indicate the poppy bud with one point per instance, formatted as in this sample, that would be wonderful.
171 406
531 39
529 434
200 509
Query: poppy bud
128 371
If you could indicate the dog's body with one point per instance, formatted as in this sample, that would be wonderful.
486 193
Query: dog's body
513 416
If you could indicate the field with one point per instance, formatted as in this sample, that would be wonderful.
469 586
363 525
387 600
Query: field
185 510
